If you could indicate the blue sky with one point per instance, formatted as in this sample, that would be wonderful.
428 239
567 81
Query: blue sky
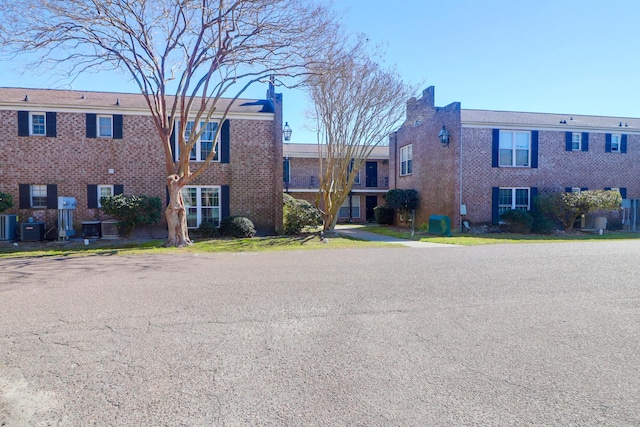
567 56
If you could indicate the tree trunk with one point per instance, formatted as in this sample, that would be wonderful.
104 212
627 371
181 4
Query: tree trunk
176 215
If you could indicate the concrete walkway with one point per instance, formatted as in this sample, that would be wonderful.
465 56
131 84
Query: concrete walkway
355 231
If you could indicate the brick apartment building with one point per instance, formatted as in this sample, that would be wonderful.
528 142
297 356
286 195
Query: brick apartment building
90 144
301 180
499 160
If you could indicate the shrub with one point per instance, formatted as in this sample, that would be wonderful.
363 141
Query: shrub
299 214
566 208
132 210
6 201
237 226
403 201
208 229
542 224
383 215
519 221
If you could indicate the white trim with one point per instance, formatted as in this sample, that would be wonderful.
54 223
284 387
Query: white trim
559 128
198 207
100 187
39 113
98 127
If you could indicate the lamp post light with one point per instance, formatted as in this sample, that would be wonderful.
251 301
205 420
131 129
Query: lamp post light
443 136
286 132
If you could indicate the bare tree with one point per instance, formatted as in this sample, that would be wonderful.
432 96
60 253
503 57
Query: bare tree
357 104
184 55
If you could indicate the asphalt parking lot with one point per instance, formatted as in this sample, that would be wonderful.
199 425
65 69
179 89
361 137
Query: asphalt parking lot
502 335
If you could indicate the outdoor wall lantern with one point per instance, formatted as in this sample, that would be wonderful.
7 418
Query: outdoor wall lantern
443 136
286 132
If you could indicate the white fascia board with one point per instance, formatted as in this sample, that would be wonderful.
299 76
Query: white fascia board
559 128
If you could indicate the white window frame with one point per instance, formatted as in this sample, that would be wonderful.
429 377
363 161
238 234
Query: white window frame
576 141
104 187
198 208
618 141
38 192
576 190
514 205
196 154
99 128
513 148
343 212
31 124
406 160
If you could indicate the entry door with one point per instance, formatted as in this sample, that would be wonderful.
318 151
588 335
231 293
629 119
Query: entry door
372 174
372 202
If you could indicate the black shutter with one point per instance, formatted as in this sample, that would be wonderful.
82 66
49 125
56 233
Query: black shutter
91 125
285 170
569 141
23 123
583 188
92 196
607 144
225 142
533 193
118 189
51 130
585 141
495 216
567 190
623 192
623 144
24 194
166 189
495 147
534 148
52 196
225 205
117 126
174 148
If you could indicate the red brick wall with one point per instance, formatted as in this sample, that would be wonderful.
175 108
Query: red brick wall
73 161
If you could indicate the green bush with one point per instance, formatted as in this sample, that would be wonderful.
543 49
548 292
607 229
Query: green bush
383 215
6 201
132 210
566 208
298 214
542 224
207 229
403 201
519 221
237 226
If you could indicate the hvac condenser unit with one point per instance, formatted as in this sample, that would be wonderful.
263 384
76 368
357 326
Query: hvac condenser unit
110 229
31 231
8 227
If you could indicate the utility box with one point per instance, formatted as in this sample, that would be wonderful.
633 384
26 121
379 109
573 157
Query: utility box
8 227
440 224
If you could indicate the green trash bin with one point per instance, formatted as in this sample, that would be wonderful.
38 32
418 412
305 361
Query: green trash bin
440 224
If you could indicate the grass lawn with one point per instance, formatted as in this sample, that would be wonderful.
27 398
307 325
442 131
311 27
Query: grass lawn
468 239
130 247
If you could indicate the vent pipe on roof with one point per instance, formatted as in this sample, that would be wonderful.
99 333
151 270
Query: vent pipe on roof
26 98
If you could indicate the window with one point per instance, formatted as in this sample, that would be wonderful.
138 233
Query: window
356 180
575 190
514 148
513 198
406 160
205 144
39 196
286 170
615 143
104 191
38 124
105 126
576 141
355 208
202 204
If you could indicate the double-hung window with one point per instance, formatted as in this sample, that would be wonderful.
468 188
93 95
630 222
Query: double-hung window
406 160
515 148
206 142
105 126
39 196
615 143
38 124
104 191
355 208
513 198
202 204
576 141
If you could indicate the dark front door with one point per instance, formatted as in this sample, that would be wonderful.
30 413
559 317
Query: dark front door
372 202
372 174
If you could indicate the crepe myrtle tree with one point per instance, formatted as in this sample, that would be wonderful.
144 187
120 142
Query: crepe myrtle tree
567 207
357 105
187 57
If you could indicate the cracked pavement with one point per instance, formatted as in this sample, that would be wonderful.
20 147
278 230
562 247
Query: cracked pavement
545 334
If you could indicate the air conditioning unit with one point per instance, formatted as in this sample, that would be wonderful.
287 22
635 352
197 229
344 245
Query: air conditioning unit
31 231
8 227
110 229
